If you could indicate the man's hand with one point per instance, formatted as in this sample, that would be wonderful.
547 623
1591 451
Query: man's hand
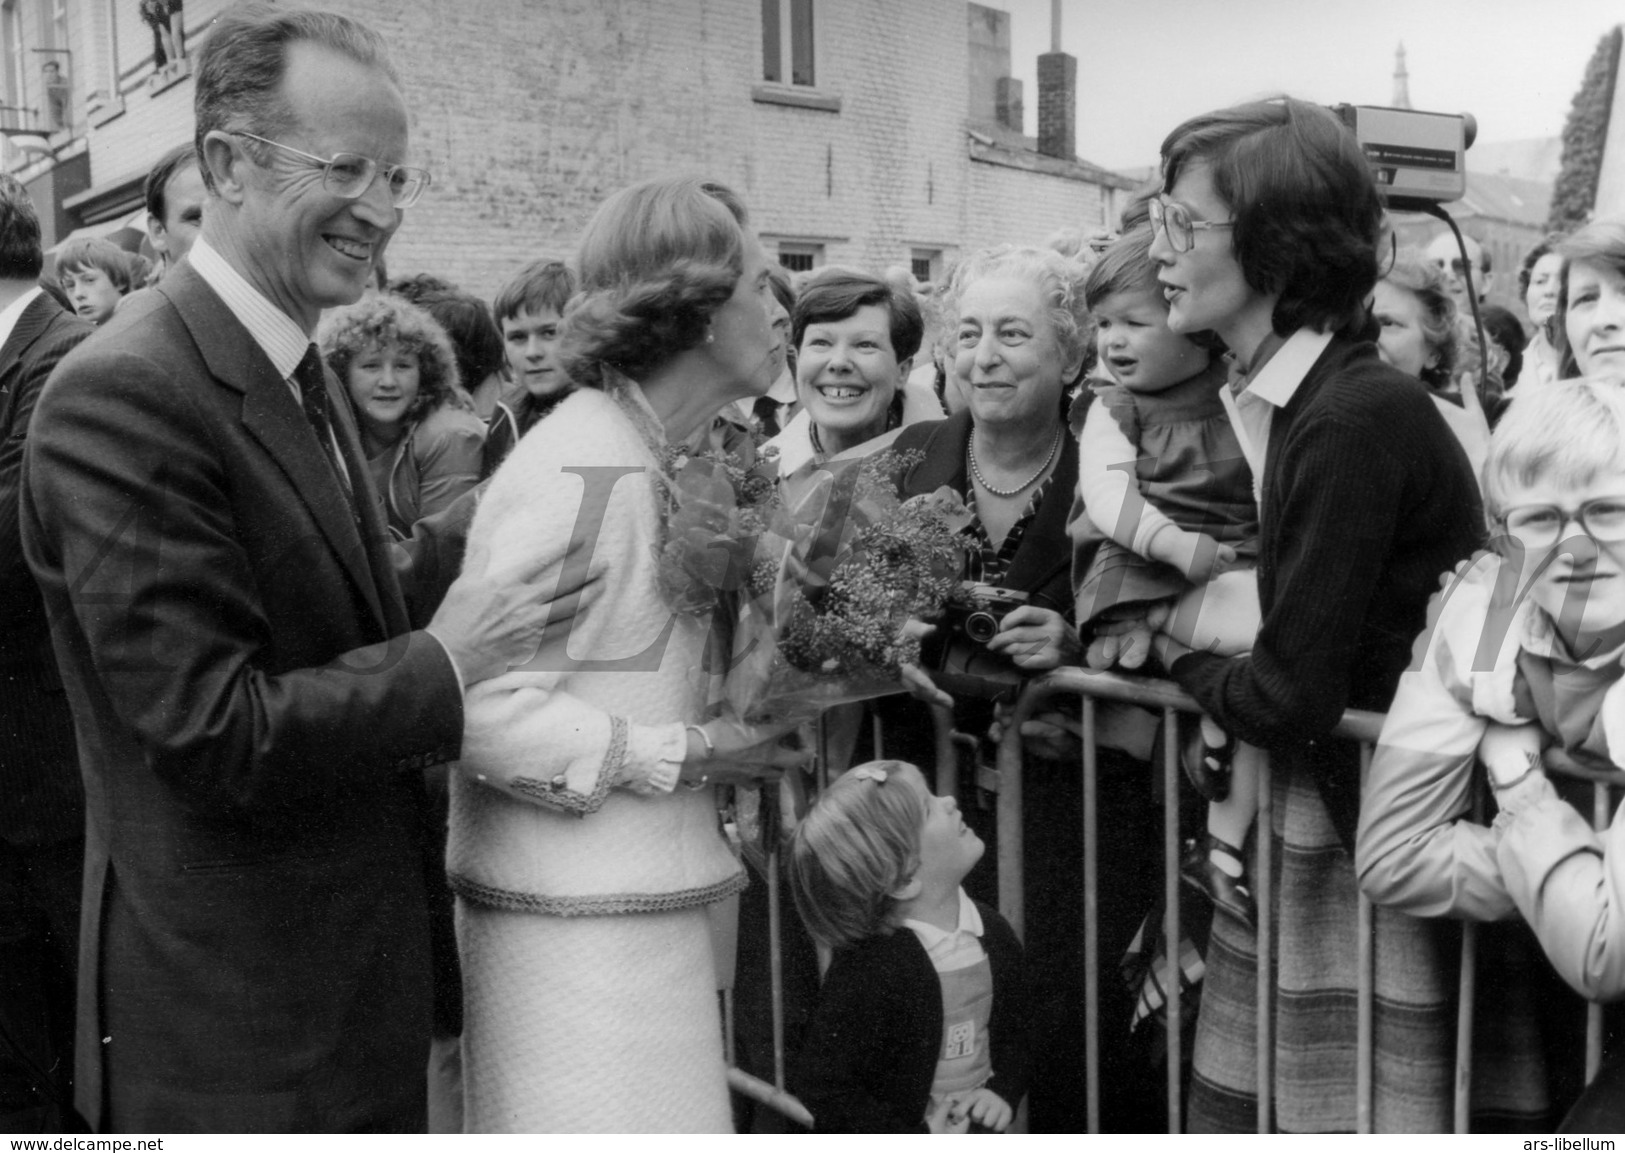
492 622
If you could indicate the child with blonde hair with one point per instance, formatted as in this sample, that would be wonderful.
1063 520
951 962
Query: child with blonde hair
921 1023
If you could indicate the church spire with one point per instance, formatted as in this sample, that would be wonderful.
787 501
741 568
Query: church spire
1402 79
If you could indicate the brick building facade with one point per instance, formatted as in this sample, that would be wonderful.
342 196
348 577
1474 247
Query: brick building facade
844 123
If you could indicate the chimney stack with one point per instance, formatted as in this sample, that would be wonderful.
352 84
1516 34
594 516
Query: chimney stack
1057 95
1008 108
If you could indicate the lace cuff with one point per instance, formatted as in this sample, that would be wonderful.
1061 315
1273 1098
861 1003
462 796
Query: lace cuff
654 758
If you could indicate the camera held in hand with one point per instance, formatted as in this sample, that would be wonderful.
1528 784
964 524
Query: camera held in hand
957 654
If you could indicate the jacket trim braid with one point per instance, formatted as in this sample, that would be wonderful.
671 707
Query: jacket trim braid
608 904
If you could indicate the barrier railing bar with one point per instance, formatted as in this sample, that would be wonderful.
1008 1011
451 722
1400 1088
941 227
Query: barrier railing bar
1264 884
1467 993
1170 896
771 840
1091 915
1599 821
1365 985
758 1090
1007 815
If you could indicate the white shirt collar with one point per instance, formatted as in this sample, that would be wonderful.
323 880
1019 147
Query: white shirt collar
277 334
970 921
14 311
1278 380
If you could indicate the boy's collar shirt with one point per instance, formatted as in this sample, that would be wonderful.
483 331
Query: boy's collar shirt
942 945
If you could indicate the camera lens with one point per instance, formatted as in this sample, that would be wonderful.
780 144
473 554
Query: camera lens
981 627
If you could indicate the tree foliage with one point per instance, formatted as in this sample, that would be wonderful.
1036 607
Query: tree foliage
1575 193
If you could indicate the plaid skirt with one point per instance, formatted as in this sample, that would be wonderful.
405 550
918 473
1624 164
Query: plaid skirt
1315 961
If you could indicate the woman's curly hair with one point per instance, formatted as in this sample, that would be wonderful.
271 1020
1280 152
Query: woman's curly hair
380 319
656 262
1060 283
1424 281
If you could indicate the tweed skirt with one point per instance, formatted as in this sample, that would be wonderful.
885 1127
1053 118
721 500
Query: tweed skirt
1315 964
604 1024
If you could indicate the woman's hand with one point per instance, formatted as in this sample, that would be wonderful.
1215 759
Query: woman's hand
1036 640
920 685
1051 735
727 751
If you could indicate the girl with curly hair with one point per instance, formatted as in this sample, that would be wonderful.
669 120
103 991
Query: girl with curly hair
422 438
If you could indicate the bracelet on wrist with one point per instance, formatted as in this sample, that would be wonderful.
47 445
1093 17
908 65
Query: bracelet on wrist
705 738
1534 765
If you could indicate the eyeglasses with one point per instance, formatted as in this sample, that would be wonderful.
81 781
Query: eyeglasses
1540 526
1174 221
349 174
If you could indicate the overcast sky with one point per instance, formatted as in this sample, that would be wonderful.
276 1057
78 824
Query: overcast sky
1145 65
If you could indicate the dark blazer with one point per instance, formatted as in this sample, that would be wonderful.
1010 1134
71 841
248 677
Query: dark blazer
1367 499
1042 565
254 715
41 799
871 1052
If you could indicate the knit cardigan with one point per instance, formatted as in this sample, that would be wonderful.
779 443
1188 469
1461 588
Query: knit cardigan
1367 498
565 802
871 1052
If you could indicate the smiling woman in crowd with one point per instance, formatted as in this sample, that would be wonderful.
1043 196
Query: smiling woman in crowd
855 338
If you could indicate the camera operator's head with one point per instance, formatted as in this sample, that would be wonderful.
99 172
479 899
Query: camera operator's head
1268 222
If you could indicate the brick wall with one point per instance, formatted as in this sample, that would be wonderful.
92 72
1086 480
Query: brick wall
530 113
1012 206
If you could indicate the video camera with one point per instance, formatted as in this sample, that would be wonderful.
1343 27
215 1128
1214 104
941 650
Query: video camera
1418 159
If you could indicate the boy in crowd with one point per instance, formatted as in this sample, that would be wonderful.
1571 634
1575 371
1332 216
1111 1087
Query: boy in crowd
95 275
529 310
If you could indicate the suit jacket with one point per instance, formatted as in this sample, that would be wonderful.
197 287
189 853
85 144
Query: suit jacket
41 799
871 1051
254 714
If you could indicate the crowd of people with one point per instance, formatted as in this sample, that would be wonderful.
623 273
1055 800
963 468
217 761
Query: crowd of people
360 775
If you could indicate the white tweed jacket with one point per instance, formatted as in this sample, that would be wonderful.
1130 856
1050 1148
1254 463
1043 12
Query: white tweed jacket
565 802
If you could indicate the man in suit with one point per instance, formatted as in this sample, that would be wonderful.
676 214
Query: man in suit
254 703
42 804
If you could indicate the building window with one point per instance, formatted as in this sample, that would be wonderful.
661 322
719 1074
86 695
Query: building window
787 42
801 257
925 264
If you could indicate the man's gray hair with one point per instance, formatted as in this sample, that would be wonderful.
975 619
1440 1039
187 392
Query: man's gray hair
241 65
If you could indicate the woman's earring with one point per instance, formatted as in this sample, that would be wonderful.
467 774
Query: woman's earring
710 338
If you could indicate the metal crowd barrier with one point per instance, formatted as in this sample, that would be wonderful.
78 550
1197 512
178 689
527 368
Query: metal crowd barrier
1006 781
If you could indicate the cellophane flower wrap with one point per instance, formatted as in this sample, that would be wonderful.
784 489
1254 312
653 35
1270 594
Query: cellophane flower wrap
718 501
840 570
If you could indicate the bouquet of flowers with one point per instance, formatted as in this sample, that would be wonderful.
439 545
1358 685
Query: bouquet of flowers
840 569
718 501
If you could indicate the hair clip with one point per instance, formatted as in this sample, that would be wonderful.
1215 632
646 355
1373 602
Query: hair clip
870 773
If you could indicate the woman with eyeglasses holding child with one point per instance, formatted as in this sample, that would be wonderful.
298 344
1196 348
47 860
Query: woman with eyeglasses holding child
1269 239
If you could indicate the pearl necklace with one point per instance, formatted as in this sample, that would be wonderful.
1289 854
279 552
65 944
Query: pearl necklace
970 453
